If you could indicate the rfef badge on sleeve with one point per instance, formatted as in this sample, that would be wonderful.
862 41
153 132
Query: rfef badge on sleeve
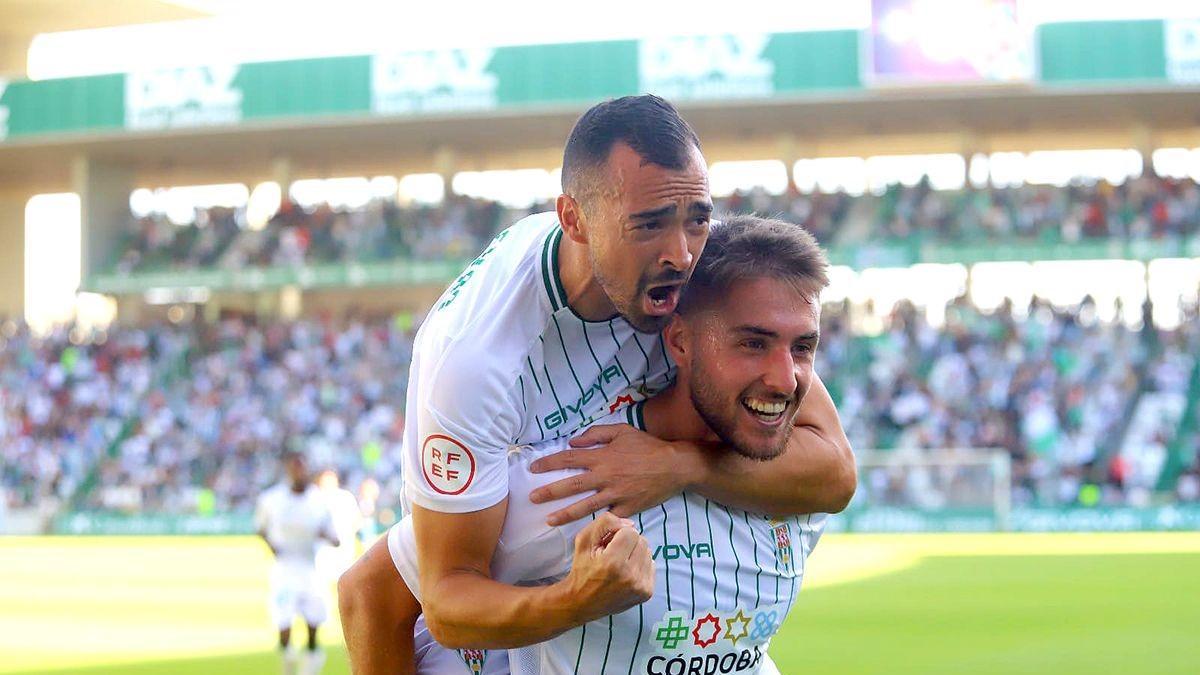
447 464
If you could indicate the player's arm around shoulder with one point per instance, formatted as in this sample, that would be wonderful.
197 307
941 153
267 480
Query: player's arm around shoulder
635 470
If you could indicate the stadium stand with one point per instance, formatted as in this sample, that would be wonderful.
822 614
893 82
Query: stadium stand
1051 387
67 397
249 389
1054 389
1146 208
382 230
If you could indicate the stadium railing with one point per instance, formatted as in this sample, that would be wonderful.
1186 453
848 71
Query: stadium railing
174 370
1111 444
1178 455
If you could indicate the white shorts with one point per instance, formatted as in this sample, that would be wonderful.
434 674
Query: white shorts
434 659
332 561
297 589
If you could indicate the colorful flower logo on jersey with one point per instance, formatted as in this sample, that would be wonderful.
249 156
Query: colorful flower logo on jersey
699 632
714 642
474 659
677 630
671 632
765 625
742 622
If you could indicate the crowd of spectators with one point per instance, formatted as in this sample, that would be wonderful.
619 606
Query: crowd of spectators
191 418
65 397
210 439
819 213
1146 207
1053 389
1142 208
381 230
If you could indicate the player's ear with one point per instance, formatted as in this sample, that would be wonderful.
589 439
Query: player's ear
570 216
675 336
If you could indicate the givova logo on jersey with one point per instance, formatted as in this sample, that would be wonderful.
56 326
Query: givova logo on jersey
729 641
686 551
580 408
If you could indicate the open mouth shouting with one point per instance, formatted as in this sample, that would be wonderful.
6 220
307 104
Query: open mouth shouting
661 300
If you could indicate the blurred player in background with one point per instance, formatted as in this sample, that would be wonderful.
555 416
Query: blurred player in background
368 502
294 518
347 520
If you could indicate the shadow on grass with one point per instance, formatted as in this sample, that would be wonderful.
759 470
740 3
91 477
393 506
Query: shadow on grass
249 663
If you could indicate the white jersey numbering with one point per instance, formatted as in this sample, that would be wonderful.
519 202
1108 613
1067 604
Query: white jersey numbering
502 360
726 580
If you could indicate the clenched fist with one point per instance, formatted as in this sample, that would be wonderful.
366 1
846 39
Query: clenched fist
612 569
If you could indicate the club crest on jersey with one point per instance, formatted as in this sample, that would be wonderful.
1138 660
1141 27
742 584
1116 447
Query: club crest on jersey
474 659
448 465
783 541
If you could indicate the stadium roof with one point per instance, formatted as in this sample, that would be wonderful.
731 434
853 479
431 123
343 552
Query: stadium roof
21 20
863 124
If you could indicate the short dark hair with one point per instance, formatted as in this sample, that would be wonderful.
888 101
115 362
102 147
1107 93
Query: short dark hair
648 124
753 247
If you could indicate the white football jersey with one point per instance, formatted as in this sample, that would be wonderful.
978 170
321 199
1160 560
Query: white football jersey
347 517
726 579
502 360
293 522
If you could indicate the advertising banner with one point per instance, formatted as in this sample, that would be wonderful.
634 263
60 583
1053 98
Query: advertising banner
920 42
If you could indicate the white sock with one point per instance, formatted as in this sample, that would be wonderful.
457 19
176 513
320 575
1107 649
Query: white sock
314 661
290 660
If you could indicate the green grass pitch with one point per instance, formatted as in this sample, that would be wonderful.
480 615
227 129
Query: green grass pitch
1086 603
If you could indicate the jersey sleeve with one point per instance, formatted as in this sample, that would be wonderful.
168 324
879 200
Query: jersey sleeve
262 513
464 393
327 525
465 423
